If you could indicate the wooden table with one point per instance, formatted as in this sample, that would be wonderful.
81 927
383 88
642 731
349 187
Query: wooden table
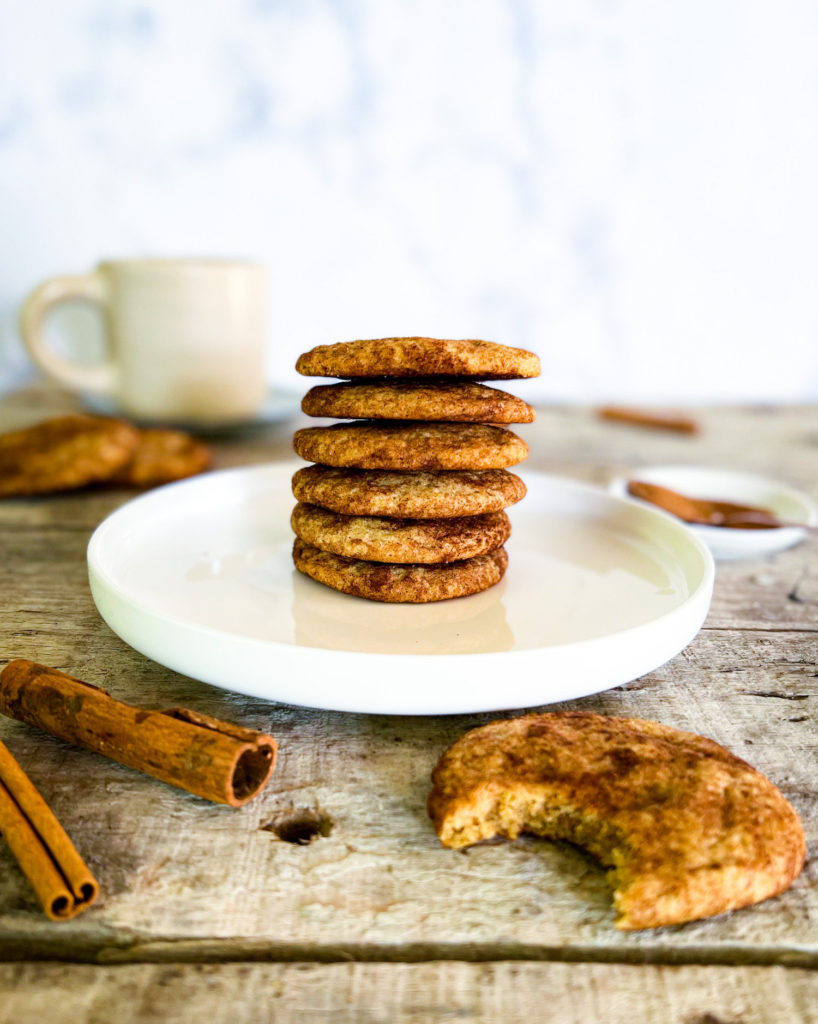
205 911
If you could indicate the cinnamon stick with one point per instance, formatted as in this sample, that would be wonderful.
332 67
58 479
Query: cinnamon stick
213 759
706 511
58 875
680 505
643 418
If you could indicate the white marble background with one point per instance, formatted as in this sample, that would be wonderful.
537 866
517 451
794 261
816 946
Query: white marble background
629 187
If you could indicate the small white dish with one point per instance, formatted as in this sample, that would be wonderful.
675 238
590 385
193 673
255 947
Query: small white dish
276 407
727 485
198 576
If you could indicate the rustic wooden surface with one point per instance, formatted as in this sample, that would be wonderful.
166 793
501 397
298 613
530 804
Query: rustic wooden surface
197 900
510 993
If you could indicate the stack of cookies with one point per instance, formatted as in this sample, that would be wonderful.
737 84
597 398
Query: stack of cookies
406 505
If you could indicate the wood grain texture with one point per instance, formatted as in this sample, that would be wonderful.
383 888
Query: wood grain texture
176 872
502 993
183 880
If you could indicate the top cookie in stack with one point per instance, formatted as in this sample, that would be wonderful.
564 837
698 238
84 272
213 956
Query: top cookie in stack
407 504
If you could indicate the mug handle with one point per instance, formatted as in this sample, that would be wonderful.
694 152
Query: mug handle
99 379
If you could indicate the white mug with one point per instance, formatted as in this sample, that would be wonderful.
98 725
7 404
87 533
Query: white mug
186 339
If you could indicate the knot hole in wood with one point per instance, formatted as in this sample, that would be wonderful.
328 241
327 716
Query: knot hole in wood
300 825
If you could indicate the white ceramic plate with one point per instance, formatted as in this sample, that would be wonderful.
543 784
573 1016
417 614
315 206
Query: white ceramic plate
198 576
744 488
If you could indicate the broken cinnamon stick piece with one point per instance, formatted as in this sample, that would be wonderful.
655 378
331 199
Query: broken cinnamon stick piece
213 759
643 418
58 875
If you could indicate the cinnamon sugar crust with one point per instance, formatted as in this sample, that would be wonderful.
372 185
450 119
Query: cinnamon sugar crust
456 402
411 445
408 494
382 539
419 357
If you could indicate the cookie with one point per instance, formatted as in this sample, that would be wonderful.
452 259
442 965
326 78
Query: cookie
415 584
418 357
64 453
378 539
390 445
408 495
461 402
161 457
686 829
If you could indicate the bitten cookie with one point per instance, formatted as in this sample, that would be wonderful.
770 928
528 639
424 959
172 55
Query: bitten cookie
462 402
419 357
416 584
64 453
378 539
408 495
161 457
412 445
686 829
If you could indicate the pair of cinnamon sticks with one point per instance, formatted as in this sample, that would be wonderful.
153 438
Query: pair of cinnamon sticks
57 873
216 760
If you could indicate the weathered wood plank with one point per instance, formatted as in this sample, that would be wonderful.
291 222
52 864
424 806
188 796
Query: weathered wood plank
512 993
174 868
